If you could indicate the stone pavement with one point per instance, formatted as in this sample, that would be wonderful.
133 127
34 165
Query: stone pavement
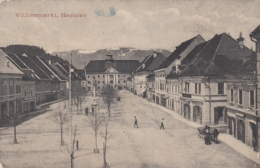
237 145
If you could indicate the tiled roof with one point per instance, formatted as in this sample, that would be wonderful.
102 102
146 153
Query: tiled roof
33 66
256 31
221 54
19 63
156 62
176 53
193 53
6 66
151 62
44 67
59 73
122 66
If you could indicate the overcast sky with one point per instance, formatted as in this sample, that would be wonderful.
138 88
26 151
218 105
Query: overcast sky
141 24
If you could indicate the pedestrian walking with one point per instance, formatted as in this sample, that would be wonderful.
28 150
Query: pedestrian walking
135 124
86 110
162 125
93 111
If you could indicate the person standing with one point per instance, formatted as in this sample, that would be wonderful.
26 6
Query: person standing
135 124
93 111
162 125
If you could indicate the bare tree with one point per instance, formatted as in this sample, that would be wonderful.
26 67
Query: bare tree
95 122
77 95
106 135
60 118
71 150
109 93
13 117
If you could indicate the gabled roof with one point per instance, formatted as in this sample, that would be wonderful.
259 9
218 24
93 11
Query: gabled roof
122 66
58 71
176 53
193 53
6 66
255 32
156 62
221 54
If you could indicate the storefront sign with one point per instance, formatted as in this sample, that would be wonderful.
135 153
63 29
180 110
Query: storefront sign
186 95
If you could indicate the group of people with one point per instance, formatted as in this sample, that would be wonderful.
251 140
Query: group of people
208 136
136 123
86 110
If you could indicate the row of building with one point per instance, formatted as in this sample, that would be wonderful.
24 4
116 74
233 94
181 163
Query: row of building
210 82
28 80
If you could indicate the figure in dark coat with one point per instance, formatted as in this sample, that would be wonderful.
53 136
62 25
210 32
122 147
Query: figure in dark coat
215 135
207 137
135 124
92 110
86 110
162 125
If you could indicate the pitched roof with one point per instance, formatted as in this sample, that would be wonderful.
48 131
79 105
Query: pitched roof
32 66
151 75
193 53
150 62
6 66
59 72
176 53
122 66
221 54
256 31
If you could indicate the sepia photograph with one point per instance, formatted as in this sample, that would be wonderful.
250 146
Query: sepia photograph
129 84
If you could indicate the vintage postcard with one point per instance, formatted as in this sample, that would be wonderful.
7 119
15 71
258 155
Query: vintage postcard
129 83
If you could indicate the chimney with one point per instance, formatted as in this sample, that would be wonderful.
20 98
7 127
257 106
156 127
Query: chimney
155 53
143 65
49 62
109 57
240 41
7 63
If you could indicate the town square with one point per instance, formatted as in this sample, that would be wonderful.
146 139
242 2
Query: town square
120 84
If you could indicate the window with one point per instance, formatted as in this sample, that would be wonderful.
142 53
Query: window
199 89
187 87
124 75
4 90
24 93
103 82
118 75
103 76
111 81
118 81
88 76
98 76
98 82
31 92
98 87
196 88
111 76
231 95
240 96
124 81
89 82
252 98
220 88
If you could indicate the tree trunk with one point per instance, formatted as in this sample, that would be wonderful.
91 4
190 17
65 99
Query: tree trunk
15 140
96 138
72 160
105 149
61 134
109 111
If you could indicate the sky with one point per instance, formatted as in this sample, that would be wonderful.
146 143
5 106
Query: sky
142 24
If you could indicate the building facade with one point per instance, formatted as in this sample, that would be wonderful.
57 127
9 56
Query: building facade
109 71
11 82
